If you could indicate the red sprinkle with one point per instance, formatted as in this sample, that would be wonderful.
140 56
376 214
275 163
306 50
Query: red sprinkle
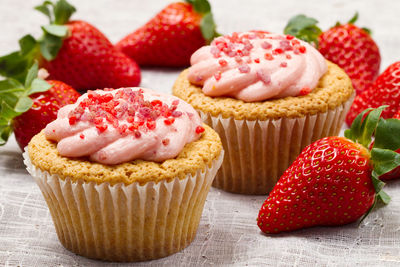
101 127
268 56
156 103
217 76
288 56
165 141
137 134
122 128
130 119
302 49
199 129
169 121
283 64
257 60
151 125
98 120
72 120
277 51
289 37
295 42
305 91
223 62
82 136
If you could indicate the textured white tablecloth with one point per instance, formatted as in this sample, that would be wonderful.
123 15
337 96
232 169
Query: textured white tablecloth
228 234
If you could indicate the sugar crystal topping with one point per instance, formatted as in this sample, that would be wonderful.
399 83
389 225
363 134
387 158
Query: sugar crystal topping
105 123
256 65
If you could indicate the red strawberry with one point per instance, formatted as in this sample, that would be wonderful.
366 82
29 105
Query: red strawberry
30 117
347 45
384 91
334 181
74 52
171 37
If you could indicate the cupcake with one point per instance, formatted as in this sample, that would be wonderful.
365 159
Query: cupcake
125 173
268 96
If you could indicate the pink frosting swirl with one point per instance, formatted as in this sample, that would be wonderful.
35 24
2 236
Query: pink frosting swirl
256 66
117 126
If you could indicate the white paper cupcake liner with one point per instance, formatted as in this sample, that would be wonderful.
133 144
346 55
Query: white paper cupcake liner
257 152
125 223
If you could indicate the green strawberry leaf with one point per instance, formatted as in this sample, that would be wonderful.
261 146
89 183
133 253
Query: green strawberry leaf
56 30
5 132
367 30
44 8
387 134
201 6
378 184
380 195
32 74
384 160
304 28
10 85
369 125
353 19
49 46
355 129
38 86
62 12
23 104
207 27
14 65
385 198
27 44
15 100
7 111
361 130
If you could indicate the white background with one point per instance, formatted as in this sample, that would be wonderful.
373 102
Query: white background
228 234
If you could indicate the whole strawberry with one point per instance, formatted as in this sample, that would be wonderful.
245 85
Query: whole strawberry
28 108
334 181
384 91
171 37
74 52
350 47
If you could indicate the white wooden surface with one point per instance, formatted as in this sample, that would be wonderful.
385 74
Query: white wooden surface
228 234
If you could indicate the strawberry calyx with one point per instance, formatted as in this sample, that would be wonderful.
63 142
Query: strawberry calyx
16 64
207 23
304 28
384 157
352 21
15 100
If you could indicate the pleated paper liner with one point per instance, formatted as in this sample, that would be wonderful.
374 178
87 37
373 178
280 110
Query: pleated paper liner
257 152
125 223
